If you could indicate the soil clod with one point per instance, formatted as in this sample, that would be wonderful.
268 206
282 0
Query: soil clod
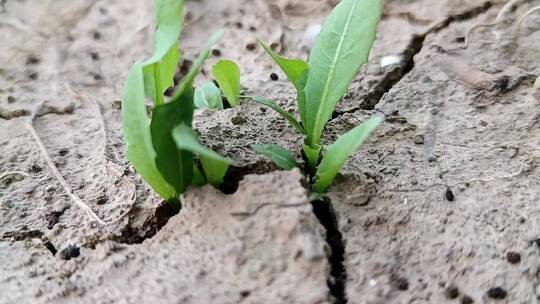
50 247
71 251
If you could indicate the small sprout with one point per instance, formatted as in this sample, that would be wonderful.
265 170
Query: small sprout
340 48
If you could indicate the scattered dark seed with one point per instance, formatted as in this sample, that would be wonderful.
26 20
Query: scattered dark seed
274 76
245 293
460 39
250 46
11 99
401 283
33 75
239 25
63 151
451 292
97 77
449 195
497 293
263 110
242 11
513 257
103 10
102 200
50 247
467 300
94 55
97 35
216 52
252 29
32 59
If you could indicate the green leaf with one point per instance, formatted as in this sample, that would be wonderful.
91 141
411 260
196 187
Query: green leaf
208 96
301 96
312 154
288 116
160 68
341 48
293 68
140 151
214 165
227 75
175 165
279 155
198 178
337 153
187 81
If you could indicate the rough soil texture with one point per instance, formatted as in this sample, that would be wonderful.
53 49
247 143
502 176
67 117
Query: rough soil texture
440 205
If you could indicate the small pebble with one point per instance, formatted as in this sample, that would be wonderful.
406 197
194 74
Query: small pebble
513 257
496 293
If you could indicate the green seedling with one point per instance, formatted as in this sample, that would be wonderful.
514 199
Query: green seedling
166 151
341 48
227 75
208 96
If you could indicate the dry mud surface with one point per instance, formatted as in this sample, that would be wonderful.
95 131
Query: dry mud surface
441 205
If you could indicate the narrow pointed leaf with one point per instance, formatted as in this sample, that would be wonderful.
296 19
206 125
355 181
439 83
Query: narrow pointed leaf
208 96
301 96
214 165
279 155
140 151
337 153
175 165
187 81
293 68
288 116
198 177
340 50
160 68
227 75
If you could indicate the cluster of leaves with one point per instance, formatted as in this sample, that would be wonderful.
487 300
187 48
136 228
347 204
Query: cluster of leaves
341 48
166 151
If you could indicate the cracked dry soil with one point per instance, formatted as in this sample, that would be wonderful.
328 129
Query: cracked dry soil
440 205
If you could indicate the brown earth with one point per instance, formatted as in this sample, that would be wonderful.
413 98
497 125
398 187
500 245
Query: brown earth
440 205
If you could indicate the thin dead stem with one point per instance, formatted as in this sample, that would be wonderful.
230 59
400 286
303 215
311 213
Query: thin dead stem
74 197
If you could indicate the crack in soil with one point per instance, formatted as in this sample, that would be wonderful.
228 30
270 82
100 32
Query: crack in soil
415 46
337 279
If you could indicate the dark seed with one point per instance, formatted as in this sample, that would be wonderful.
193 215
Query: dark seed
35 168
513 257
97 77
449 195
97 35
216 52
250 46
94 55
32 60
497 293
460 39
467 300
33 76
252 29
401 283
274 76
451 292
11 99
245 293
63 151
239 25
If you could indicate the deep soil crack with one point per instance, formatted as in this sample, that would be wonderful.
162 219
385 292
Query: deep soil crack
414 47
325 213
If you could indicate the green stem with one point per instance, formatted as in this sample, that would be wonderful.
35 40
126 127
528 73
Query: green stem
312 155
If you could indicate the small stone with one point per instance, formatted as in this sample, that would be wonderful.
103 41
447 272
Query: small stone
274 77
513 257
449 195
451 292
497 293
